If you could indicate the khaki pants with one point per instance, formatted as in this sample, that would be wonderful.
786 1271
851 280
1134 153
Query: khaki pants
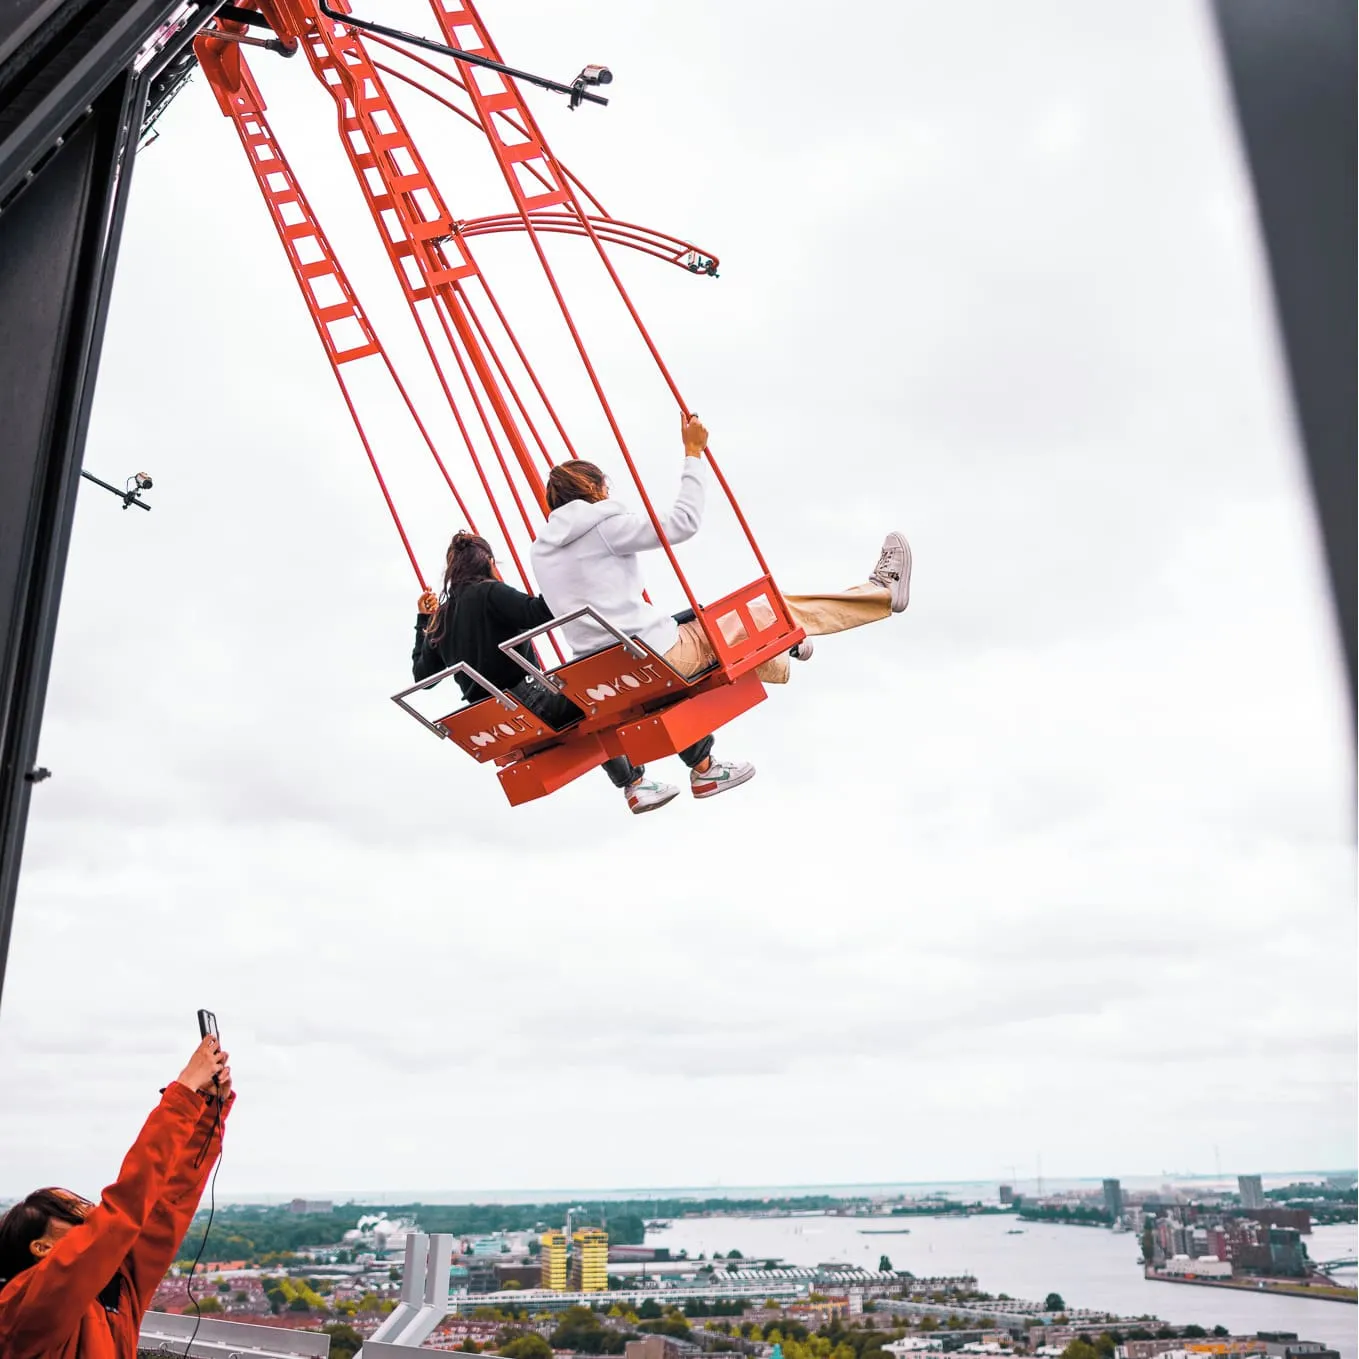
817 615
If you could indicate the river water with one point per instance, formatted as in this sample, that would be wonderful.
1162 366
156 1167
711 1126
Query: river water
1090 1267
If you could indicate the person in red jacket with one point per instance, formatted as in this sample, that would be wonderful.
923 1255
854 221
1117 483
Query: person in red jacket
76 1277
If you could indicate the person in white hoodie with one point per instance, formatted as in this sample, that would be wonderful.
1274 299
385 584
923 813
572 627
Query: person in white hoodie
588 555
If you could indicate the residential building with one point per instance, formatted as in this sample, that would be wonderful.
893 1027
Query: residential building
1251 1191
1286 1345
311 1206
1113 1199
553 1260
482 1276
590 1260
656 1347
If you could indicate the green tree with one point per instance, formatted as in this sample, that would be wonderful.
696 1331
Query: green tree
345 1341
1053 1303
1221 1331
299 1305
469 1346
885 1264
1080 1349
530 1346
1192 1332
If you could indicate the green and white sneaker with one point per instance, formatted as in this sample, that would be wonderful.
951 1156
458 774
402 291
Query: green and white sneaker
720 777
646 795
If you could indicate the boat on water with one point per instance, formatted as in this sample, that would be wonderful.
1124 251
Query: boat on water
884 1231
1015 1231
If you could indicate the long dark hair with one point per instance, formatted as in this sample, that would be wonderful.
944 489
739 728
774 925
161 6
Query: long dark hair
470 558
27 1222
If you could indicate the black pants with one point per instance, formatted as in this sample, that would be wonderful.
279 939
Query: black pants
558 712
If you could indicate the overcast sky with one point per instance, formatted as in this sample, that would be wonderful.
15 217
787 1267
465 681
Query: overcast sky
1059 862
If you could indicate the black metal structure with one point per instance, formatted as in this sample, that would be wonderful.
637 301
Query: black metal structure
74 81
78 79
1292 68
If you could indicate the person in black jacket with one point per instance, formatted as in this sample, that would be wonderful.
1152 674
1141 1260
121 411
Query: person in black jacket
476 613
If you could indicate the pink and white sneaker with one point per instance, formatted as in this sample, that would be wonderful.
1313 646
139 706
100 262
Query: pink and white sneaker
893 571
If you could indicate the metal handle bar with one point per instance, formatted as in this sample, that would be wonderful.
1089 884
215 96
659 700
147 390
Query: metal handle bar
576 90
462 668
630 644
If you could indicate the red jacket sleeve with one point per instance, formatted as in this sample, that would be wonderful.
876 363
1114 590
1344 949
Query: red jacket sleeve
154 1250
45 1303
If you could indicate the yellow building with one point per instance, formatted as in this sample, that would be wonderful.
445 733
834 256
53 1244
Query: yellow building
554 1260
590 1260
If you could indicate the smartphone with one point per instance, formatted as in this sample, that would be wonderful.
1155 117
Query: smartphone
207 1024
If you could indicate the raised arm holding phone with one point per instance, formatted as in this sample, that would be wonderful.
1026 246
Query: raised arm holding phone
76 1277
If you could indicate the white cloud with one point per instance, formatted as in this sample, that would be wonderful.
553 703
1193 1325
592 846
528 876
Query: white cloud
1062 858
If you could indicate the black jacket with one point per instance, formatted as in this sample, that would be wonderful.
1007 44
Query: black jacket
477 619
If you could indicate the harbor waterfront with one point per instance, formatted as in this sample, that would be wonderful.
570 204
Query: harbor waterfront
1089 1267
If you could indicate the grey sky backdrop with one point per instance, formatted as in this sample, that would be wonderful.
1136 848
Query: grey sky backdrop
1058 862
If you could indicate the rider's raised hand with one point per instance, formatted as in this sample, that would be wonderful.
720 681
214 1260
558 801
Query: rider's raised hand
695 436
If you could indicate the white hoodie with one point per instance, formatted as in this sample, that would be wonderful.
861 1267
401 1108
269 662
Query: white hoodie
587 554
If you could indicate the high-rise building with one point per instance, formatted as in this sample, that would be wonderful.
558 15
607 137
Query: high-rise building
1113 1199
1007 1193
1251 1190
554 1260
590 1260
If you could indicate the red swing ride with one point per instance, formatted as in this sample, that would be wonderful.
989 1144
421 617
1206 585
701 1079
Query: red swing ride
631 701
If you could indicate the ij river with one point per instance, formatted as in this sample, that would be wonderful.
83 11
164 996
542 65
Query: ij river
1089 1266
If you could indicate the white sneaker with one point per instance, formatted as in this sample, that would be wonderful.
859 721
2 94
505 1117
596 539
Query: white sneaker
893 571
720 777
803 650
647 795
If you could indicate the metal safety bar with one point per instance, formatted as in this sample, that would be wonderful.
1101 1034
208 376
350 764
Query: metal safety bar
630 644
462 668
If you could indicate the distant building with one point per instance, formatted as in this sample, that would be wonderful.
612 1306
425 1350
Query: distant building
553 1260
654 1347
590 1260
1251 1190
517 1276
1113 1199
1206 1267
1007 1194
482 1276
1286 1345
1299 1219
1275 1251
311 1206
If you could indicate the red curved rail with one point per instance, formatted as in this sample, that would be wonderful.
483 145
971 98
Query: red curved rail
655 243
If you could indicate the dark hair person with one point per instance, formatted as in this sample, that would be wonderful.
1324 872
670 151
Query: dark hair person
588 554
474 614
76 1277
